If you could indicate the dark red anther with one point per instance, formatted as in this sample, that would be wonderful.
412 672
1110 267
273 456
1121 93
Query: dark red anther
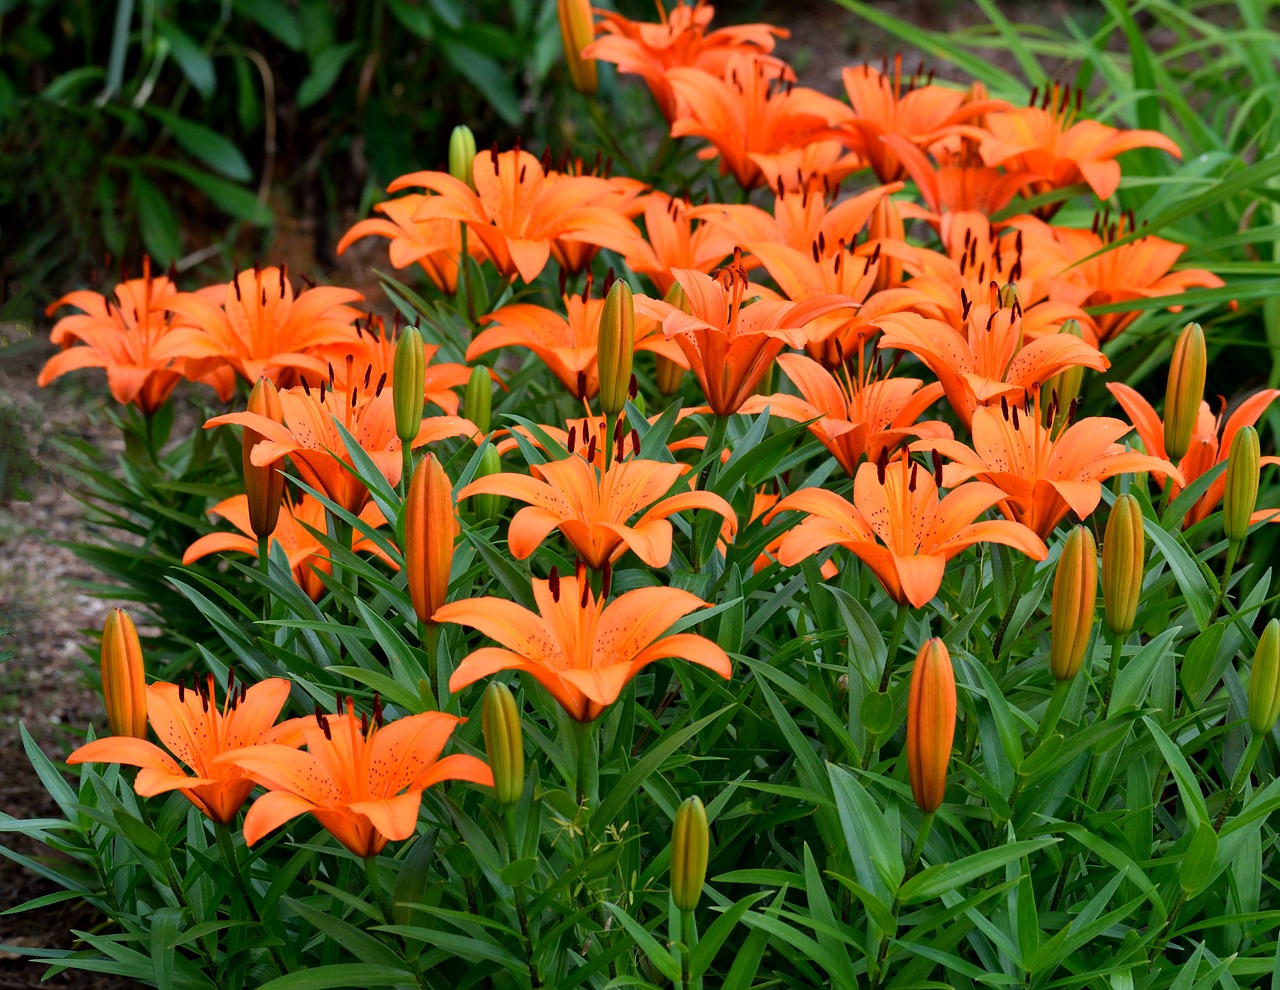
264 297
305 387
582 384
882 464
364 723
322 393
635 442
606 579
1014 411
822 242
813 248
633 388
377 709
591 449
382 382
523 169
609 279
368 373
331 374
911 481
936 458
182 692
584 584
1004 408
236 282
308 281
553 584
283 269
546 159
573 438
965 304
231 682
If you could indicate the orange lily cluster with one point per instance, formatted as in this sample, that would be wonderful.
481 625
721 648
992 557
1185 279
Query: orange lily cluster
363 781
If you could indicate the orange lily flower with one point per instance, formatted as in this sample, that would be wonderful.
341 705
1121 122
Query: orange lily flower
581 650
309 437
672 241
651 50
123 336
975 254
627 198
855 418
361 363
1137 270
585 435
752 108
816 166
730 346
361 779
990 362
956 181
566 344
435 245
1206 450
261 328
306 554
593 507
1059 149
919 112
1043 475
517 211
899 528
196 732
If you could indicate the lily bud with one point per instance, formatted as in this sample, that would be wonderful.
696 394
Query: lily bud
1075 592
408 383
1123 557
616 347
503 742
429 529
669 373
1066 383
124 684
690 845
931 724
478 401
886 224
264 485
1264 680
487 507
1185 391
462 153
1241 491
577 30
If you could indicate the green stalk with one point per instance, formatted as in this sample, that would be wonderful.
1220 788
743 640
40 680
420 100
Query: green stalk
895 640
1233 550
917 850
1241 775
517 896
226 846
1057 701
1117 647
264 563
715 443
586 751
1019 583
689 937
406 469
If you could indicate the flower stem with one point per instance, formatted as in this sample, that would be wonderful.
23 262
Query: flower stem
585 742
715 444
226 846
1117 647
689 938
917 850
1233 549
517 896
895 640
1237 782
264 562
1019 583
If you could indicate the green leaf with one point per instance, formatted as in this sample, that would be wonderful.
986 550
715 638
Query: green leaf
206 145
1196 869
1183 775
342 976
193 60
718 932
165 926
232 199
157 222
520 871
666 963
487 76
276 18
325 67
935 881
1186 572
877 856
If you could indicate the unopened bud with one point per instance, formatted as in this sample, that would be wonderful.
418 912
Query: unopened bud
486 506
478 401
503 742
690 846
1185 391
429 530
886 225
1066 383
1123 557
1264 680
1241 491
670 373
408 383
124 684
577 30
616 347
462 153
1075 592
1009 294
264 486
931 724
